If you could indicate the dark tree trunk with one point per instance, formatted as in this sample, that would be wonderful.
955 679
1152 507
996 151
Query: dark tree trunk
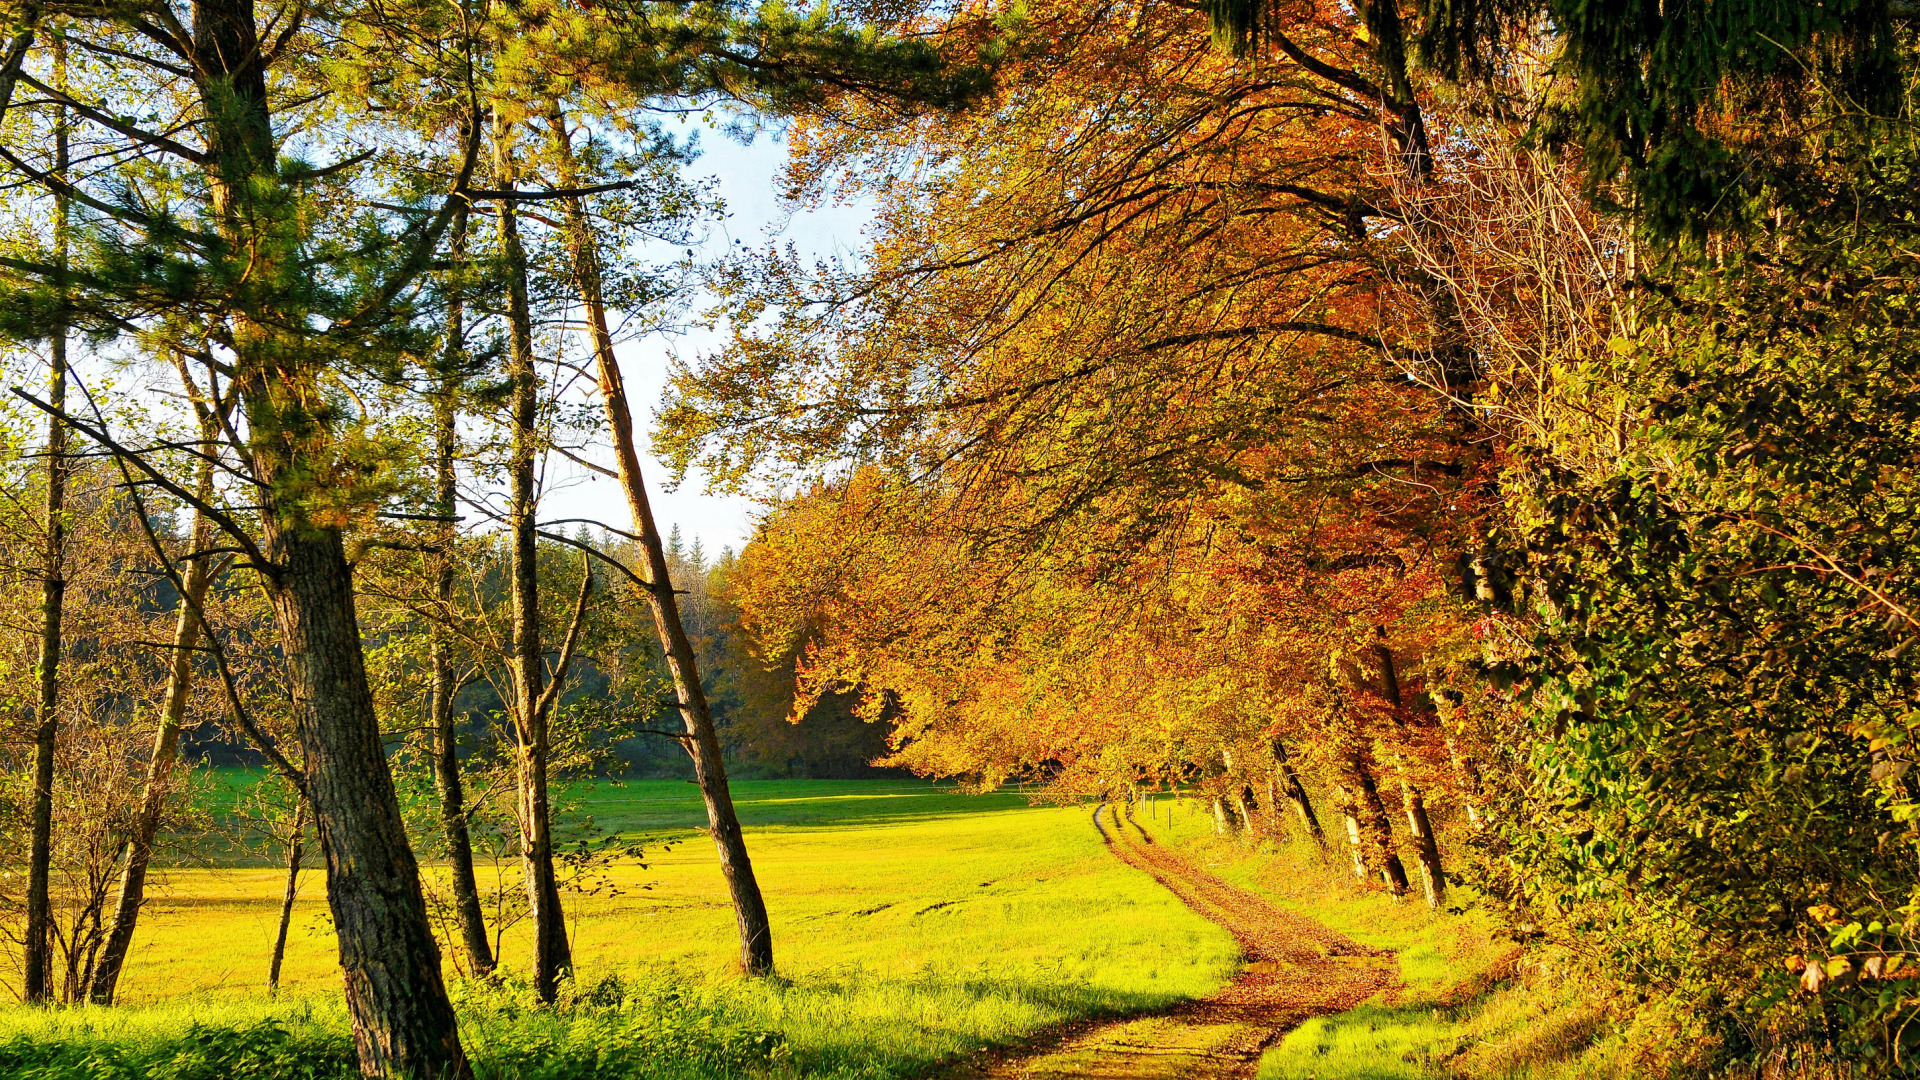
552 959
1419 825
296 847
403 1023
1296 793
146 821
445 748
749 908
1368 825
37 950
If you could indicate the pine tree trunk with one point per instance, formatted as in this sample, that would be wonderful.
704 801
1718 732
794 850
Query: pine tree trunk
445 747
703 744
1296 794
37 949
146 821
1426 846
552 959
296 847
403 1022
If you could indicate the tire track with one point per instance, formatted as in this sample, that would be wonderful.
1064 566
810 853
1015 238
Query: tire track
1294 969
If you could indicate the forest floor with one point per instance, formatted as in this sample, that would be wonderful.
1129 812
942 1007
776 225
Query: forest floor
1294 968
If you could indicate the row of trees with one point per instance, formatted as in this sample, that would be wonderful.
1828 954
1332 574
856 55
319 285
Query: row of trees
1499 414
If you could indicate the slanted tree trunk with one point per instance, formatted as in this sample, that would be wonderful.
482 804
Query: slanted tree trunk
552 958
296 847
1426 846
37 950
1296 793
403 1022
445 749
146 821
1368 826
749 908
1243 804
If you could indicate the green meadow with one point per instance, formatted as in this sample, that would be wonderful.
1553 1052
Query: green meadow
915 924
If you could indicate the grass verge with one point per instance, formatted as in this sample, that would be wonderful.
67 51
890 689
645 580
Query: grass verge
1467 1009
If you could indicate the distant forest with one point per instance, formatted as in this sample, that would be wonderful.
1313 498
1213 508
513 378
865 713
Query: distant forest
752 696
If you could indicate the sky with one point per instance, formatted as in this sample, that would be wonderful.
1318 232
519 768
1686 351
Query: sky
747 177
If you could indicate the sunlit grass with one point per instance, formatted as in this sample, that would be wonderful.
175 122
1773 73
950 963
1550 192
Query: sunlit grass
911 924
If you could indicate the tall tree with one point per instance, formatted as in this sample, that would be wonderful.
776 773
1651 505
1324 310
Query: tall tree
445 749
703 743
141 832
553 958
37 950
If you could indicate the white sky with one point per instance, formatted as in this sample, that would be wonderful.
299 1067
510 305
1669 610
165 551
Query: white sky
747 177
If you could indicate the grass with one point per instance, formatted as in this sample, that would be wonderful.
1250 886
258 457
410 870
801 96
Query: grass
912 923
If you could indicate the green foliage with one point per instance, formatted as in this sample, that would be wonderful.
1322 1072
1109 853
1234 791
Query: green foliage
1722 688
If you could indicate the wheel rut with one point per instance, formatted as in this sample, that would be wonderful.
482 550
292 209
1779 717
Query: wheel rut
1294 969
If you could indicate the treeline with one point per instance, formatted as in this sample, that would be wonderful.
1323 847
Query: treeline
1478 436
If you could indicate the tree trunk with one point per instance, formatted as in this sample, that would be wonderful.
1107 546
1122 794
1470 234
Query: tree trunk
146 821
37 950
1368 823
296 847
1296 793
1469 771
1349 812
1243 803
403 1022
552 959
749 908
445 749
1426 846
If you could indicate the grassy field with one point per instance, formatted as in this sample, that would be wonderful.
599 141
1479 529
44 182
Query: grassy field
913 924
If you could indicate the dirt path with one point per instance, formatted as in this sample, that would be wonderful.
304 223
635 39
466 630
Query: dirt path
1294 969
